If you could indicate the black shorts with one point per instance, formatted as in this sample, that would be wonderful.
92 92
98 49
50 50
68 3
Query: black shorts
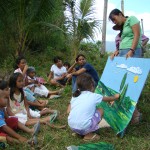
63 81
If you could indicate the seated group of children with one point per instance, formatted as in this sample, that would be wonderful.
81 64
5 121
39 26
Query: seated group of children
18 103
20 108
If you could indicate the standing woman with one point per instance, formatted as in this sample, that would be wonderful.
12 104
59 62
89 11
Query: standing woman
130 45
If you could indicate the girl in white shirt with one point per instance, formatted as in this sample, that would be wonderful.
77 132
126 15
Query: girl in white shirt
18 105
58 73
84 117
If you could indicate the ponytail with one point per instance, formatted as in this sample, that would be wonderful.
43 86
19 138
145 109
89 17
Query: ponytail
77 93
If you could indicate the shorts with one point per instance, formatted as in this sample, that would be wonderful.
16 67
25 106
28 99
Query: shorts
94 124
63 81
12 122
29 95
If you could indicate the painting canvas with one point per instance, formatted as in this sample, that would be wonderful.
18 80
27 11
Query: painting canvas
126 77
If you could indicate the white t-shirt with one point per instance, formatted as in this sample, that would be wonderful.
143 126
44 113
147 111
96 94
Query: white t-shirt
18 70
58 71
83 108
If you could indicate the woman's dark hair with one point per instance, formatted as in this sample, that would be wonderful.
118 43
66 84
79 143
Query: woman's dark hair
18 60
67 64
79 56
115 12
12 85
56 59
3 84
84 82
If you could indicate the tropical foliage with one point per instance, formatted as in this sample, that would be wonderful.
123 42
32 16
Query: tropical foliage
30 24
80 22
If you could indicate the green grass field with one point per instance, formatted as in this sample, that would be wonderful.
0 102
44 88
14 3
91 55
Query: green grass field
137 137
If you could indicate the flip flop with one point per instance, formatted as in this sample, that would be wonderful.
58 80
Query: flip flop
53 116
54 96
93 138
61 91
36 129
33 141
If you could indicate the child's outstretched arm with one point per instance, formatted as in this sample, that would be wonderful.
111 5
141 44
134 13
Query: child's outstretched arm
111 98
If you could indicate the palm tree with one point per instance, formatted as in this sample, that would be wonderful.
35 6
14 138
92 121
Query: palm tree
25 21
80 22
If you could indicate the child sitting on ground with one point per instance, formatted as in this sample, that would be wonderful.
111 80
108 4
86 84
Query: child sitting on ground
9 124
58 72
35 86
66 65
84 117
21 67
18 105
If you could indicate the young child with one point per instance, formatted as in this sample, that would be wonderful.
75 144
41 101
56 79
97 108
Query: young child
32 83
66 65
9 124
84 117
18 105
4 87
21 67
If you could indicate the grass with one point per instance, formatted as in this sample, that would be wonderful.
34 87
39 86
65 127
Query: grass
137 137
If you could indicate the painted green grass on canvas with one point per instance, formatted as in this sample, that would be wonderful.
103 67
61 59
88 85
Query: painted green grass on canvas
118 115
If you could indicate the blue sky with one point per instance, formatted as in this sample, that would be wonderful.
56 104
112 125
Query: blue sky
138 6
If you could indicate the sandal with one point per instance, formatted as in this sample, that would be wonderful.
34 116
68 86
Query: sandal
54 96
93 138
60 91
53 116
36 129
33 141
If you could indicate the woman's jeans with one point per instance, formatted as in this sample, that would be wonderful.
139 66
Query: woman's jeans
74 85
137 53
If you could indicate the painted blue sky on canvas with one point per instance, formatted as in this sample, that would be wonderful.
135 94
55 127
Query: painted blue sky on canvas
112 75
